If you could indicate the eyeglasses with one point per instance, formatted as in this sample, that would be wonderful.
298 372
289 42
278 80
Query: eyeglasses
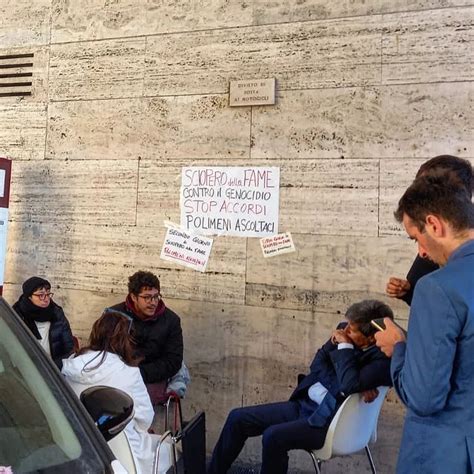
43 296
150 298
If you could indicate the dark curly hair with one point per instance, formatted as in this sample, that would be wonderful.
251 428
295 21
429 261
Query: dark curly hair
141 280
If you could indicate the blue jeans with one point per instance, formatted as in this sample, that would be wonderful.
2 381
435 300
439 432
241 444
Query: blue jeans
283 429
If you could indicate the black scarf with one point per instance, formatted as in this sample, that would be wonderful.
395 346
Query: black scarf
31 314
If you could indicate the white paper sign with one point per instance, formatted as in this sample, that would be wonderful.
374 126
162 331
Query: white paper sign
241 201
186 249
277 245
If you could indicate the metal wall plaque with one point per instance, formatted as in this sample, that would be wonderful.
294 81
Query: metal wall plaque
252 92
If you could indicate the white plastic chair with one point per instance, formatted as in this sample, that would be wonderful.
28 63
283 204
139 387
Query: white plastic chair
352 428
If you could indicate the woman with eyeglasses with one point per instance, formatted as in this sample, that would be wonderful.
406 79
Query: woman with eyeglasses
45 319
109 359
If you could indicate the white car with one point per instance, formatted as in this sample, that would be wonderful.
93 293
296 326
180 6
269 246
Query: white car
44 428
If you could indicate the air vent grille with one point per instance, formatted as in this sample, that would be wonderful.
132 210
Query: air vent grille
16 74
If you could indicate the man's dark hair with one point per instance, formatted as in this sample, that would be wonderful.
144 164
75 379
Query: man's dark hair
363 312
460 167
440 193
142 279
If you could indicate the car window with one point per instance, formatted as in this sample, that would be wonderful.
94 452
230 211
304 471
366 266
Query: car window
40 431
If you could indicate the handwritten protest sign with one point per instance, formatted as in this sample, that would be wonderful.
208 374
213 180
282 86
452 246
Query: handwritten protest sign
241 201
186 249
277 245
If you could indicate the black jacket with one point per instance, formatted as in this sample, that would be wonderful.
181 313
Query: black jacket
61 342
419 268
160 342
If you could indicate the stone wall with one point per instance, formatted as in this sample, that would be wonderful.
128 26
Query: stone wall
126 92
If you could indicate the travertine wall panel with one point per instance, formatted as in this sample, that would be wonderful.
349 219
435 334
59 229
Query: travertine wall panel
25 22
22 130
96 130
359 122
193 127
87 20
318 197
329 211
434 46
395 177
92 20
154 128
156 200
74 191
300 55
276 11
97 70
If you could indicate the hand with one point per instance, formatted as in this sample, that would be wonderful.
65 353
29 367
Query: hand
369 395
387 339
397 287
339 335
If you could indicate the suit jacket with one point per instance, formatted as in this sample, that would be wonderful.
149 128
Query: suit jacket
342 372
433 372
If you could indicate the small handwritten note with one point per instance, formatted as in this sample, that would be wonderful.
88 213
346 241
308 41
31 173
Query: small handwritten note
277 245
186 249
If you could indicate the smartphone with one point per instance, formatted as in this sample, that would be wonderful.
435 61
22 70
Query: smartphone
378 324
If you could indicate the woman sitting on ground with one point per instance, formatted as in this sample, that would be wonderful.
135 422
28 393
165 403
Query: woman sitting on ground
45 319
109 360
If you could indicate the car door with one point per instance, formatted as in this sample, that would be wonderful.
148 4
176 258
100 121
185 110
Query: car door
43 426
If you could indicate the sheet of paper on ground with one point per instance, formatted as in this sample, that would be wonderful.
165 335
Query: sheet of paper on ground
186 249
277 245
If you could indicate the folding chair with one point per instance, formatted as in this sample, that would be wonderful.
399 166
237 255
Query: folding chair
173 401
351 429
191 458
168 401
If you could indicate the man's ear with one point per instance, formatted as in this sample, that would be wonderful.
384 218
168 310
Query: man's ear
434 226
134 298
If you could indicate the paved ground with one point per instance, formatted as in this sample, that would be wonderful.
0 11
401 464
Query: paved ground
244 470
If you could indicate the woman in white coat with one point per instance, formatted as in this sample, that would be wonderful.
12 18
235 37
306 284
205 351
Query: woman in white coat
109 360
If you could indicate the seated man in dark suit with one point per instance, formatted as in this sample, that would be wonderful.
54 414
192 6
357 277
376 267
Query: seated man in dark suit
348 362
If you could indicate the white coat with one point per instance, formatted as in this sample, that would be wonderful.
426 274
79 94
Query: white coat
113 372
